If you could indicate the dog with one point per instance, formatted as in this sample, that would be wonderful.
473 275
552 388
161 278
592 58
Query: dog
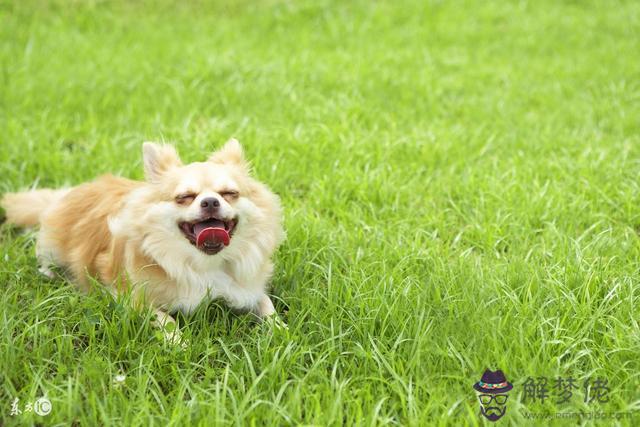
187 234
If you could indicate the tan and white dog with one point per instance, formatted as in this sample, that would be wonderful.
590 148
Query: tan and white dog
187 234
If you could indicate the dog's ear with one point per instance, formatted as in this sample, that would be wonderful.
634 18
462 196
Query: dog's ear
230 153
158 158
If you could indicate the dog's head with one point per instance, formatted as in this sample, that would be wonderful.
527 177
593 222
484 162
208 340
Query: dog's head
204 210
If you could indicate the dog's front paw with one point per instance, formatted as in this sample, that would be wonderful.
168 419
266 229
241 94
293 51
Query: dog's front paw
275 322
47 272
172 336
175 339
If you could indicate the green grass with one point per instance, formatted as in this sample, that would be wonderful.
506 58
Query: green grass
461 190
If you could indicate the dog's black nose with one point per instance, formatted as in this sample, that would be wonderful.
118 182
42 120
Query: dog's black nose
210 203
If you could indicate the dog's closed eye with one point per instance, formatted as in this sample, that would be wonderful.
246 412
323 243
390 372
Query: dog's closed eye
185 198
230 195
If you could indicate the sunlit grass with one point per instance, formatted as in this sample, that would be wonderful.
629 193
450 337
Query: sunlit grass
460 182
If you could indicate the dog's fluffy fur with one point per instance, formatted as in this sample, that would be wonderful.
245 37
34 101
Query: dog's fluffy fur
127 233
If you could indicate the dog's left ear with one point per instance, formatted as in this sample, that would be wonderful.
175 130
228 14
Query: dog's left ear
230 153
158 158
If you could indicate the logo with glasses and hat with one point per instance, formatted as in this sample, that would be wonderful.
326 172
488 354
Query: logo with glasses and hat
492 392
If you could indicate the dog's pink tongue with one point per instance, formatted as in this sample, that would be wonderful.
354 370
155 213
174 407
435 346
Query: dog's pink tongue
211 233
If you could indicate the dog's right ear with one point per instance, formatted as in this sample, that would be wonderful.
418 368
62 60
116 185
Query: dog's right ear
230 153
158 158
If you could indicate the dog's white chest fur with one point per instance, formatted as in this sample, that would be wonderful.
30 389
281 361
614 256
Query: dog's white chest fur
193 290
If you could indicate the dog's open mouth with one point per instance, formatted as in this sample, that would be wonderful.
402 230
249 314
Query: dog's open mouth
210 235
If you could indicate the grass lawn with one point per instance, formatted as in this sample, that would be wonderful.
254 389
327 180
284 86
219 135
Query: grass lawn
461 190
